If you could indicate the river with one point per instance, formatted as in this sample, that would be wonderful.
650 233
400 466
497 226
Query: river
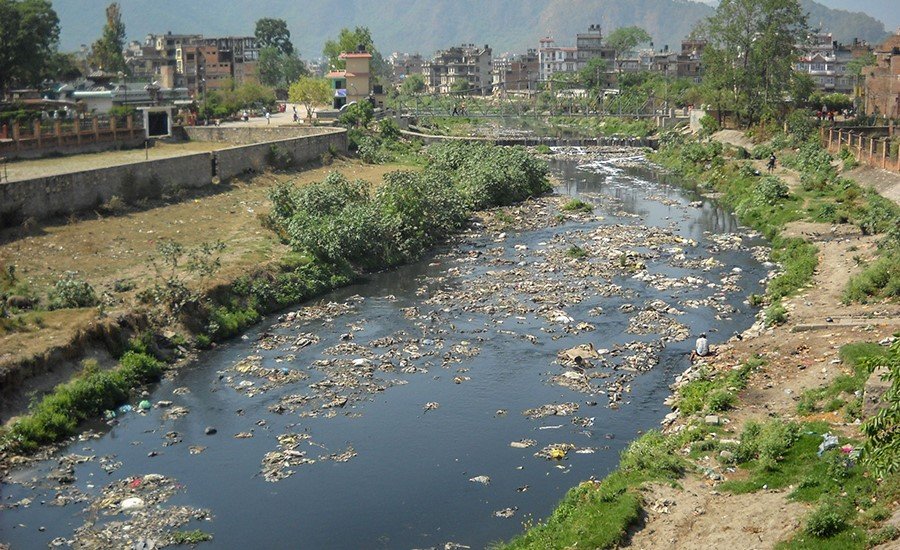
384 458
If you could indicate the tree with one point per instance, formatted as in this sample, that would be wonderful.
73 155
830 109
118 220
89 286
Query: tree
592 75
310 92
625 39
273 33
750 52
349 41
107 52
279 69
29 33
413 84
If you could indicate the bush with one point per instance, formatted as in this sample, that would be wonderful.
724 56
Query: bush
827 520
762 151
775 314
71 292
653 454
770 191
577 205
766 442
389 130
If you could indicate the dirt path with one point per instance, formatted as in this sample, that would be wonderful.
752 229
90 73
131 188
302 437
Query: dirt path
801 355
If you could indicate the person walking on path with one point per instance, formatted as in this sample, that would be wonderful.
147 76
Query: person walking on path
268 118
771 165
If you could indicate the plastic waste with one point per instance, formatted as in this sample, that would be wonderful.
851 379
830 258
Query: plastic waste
144 405
125 409
829 441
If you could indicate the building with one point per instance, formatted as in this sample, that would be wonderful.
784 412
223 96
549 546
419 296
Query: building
555 59
519 73
461 68
825 61
405 64
689 60
354 83
589 45
882 86
193 62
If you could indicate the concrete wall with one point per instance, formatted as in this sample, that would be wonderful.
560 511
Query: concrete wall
234 161
248 135
64 194
60 195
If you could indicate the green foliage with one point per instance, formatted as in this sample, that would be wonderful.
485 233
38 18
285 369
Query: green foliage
576 252
413 84
714 394
348 41
30 33
279 69
174 266
279 157
58 414
273 33
801 124
775 315
766 443
225 322
106 53
709 125
798 260
310 92
826 520
71 292
577 205
357 115
880 279
389 129
882 449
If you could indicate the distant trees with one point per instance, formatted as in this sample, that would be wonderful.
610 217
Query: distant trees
625 39
413 84
279 64
29 33
230 99
309 92
107 52
749 57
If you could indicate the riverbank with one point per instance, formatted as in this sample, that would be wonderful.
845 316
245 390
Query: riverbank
724 472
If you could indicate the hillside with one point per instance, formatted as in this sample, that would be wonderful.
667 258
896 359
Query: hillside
410 25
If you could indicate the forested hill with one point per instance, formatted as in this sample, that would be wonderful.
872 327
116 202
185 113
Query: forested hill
422 26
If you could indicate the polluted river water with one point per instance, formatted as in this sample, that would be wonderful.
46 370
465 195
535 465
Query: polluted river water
429 406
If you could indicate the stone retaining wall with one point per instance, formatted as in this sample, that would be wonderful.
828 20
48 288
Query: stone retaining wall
64 194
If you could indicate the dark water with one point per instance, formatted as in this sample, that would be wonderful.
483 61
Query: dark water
409 485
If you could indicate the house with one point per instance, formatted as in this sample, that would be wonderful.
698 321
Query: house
882 87
518 73
465 68
354 82
825 61
554 59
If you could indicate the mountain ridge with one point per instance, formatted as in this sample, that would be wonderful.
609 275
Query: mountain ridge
416 26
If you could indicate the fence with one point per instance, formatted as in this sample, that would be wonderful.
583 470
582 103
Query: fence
878 151
19 139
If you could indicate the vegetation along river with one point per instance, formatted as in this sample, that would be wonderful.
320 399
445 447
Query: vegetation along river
428 405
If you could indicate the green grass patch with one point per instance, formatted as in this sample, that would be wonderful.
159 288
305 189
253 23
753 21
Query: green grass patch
598 515
190 537
576 252
840 392
577 205
714 394
58 414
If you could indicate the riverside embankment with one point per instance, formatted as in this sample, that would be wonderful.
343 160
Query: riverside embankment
426 404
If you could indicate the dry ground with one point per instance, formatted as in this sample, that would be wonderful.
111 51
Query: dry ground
106 249
801 355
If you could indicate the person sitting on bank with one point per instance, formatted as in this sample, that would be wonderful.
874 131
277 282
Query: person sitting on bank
701 348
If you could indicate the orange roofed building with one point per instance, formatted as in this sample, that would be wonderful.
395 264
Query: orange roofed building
354 83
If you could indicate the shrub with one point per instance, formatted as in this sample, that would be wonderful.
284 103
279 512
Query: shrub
826 520
279 157
775 314
762 151
389 130
770 191
369 151
766 442
71 292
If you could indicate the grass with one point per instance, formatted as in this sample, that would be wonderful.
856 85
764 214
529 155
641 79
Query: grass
841 392
576 252
577 205
190 537
58 414
598 515
714 393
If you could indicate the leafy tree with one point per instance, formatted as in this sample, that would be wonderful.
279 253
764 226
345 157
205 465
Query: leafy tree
63 66
107 52
856 65
413 84
460 87
349 41
310 92
357 115
592 75
29 33
273 33
750 52
625 39
279 69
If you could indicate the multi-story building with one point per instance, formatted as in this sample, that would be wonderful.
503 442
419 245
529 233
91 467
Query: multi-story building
194 62
555 59
689 60
825 61
460 68
882 87
354 83
405 64
589 45
519 73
